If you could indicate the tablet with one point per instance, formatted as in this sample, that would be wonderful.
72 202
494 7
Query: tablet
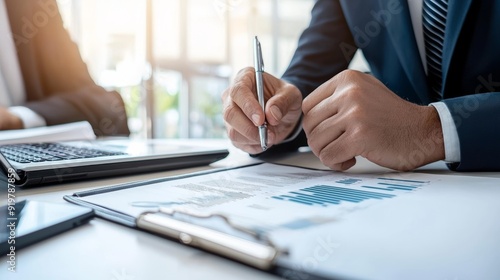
26 222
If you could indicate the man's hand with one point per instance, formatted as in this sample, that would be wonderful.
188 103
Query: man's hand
9 120
243 114
355 114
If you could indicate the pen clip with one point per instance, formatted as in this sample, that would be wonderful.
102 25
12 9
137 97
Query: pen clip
259 61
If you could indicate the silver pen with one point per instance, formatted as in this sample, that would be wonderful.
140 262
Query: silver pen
259 83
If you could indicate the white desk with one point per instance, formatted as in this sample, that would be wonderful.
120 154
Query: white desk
104 250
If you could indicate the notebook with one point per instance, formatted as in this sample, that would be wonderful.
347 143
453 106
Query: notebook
37 164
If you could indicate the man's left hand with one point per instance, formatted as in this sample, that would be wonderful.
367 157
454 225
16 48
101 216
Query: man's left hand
354 114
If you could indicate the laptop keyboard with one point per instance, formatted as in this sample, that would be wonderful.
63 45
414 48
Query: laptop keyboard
28 153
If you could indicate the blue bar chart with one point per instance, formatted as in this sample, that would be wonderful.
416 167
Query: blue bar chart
403 180
392 184
348 181
325 195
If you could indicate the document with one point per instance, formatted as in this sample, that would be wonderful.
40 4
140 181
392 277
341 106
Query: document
269 197
64 132
264 189
331 223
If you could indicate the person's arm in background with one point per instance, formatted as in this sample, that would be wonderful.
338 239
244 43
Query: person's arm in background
58 85
317 58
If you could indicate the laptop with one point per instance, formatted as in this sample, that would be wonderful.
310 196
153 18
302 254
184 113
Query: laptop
38 164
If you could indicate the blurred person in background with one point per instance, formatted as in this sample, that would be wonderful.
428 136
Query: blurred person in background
43 80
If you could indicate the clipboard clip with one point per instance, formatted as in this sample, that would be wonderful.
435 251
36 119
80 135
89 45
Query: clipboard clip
213 233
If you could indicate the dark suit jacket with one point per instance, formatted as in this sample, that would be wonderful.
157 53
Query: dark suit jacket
383 30
58 85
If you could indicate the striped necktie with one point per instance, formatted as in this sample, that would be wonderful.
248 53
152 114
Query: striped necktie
434 24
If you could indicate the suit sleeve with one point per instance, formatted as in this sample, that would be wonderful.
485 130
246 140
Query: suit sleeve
63 90
477 120
320 55
104 110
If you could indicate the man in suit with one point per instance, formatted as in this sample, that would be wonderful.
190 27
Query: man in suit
434 92
43 80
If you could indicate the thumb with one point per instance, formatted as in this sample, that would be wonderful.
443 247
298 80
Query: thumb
287 99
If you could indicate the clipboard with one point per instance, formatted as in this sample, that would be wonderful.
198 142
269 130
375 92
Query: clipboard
227 240
192 229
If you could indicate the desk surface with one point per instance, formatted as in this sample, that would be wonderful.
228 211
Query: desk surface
105 250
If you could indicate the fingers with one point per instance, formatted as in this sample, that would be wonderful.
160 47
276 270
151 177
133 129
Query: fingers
340 154
243 113
324 133
328 120
318 95
240 129
243 94
345 165
250 145
239 106
330 140
320 105
324 110
286 99
344 79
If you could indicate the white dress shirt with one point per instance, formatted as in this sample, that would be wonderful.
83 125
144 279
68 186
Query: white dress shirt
12 91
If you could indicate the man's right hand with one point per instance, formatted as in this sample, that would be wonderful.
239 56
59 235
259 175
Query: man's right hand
9 121
243 114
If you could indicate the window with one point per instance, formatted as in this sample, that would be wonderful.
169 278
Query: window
172 59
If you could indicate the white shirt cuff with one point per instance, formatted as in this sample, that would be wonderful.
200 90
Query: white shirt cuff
29 118
450 134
